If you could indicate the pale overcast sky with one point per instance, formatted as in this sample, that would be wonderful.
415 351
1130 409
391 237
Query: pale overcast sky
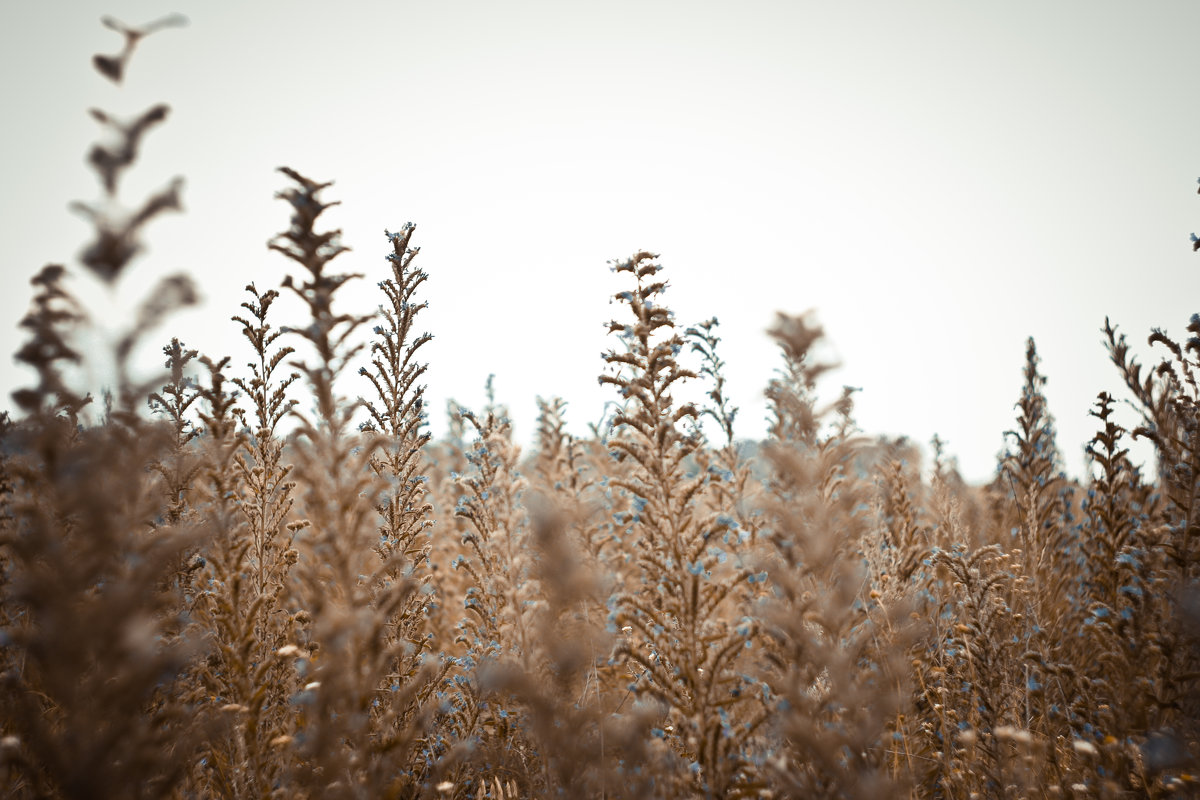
939 180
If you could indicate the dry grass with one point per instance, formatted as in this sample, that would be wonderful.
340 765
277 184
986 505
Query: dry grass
250 584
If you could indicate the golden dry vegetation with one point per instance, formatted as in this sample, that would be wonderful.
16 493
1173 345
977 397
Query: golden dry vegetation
251 583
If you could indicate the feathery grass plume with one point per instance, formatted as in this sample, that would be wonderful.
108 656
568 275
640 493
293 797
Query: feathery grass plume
328 334
967 690
502 601
687 636
249 679
1121 607
1116 511
346 744
835 658
1169 403
117 235
89 700
173 400
832 669
265 479
791 393
1168 400
731 487
400 415
704 340
583 748
554 445
397 417
614 751
1040 515
895 561
558 466
232 683
958 512
566 476
1031 472
446 460
572 506
490 505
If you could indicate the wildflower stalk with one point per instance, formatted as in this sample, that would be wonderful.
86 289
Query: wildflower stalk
684 636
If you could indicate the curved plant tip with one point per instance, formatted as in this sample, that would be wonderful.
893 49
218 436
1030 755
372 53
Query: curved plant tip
113 67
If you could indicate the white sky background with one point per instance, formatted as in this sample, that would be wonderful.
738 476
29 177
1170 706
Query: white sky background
938 180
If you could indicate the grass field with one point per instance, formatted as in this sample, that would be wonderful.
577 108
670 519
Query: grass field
270 581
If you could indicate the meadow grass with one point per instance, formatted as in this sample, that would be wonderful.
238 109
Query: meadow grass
251 584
